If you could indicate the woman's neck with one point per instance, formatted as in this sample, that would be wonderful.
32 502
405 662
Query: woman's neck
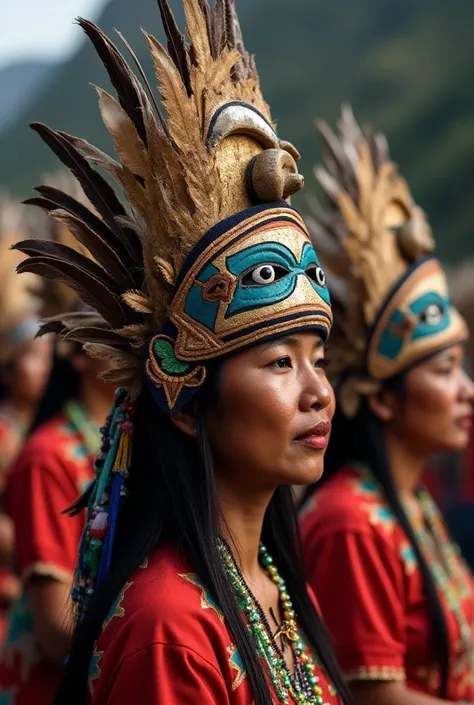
242 522
407 466
96 398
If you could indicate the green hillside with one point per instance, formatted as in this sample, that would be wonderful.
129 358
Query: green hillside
405 65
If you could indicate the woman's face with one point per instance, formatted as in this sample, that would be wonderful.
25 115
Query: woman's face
28 374
436 414
271 422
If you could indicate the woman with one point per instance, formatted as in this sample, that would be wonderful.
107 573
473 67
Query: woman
215 313
54 467
393 589
25 361
24 367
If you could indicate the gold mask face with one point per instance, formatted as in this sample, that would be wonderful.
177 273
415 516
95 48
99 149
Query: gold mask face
252 278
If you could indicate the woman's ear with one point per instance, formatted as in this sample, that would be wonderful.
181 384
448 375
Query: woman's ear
185 421
383 404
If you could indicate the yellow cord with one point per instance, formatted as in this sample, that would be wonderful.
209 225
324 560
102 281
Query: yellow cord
124 454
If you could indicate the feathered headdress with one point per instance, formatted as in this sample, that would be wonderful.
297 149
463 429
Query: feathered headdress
390 295
19 302
202 257
215 156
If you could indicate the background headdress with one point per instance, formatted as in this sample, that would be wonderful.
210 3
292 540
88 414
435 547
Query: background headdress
19 302
202 257
390 299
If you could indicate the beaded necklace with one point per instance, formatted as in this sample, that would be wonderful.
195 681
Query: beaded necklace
446 565
303 685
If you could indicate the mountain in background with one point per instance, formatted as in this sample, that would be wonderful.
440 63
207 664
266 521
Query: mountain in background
20 84
405 65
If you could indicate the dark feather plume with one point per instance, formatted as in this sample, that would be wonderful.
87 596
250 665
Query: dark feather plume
176 42
123 80
91 290
54 200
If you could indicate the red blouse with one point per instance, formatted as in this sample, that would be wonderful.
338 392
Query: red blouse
165 641
52 471
365 575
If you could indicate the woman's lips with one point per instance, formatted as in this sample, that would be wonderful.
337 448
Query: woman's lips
317 442
316 437
465 422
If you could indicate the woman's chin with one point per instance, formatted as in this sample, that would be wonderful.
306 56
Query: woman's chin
307 476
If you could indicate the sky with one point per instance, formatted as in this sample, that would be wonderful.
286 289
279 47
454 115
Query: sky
42 28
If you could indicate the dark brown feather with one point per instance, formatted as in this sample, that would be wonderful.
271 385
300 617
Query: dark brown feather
100 250
63 253
53 199
219 28
90 334
91 290
122 78
176 43
151 95
57 200
128 237
96 188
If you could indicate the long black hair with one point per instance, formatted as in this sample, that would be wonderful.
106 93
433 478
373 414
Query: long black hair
362 440
172 497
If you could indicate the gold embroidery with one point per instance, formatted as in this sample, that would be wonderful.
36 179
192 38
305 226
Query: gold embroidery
376 673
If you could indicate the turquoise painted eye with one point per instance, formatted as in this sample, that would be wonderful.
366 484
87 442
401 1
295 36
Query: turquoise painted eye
316 273
263 275
432 315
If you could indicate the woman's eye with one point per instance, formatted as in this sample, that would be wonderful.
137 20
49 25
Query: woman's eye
316 273
322 364
263 275
281 363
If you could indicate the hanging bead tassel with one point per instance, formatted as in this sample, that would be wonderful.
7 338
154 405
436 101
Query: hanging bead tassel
111 469
117 496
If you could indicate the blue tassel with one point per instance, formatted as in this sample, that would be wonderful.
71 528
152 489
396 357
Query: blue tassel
114 506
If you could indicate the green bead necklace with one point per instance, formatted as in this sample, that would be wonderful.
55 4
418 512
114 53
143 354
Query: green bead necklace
83 426
449 573
303 686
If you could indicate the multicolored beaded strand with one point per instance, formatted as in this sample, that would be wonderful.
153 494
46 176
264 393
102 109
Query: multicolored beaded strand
304 685
447 570
107 494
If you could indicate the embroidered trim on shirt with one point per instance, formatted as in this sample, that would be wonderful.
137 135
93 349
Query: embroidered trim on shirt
47 570
376 673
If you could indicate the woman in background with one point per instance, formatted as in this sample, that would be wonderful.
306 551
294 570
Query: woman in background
25 362
54 468
393 589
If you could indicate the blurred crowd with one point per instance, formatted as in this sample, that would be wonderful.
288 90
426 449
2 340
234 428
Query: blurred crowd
52 404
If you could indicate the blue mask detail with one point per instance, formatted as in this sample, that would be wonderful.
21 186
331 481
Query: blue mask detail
205 312
433 312
250 296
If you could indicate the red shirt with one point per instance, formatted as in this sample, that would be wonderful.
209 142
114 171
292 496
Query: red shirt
365 576
51 472
165 642
12 434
